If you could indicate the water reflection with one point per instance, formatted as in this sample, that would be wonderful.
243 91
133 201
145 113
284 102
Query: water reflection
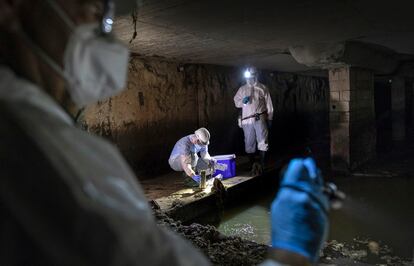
380 209
248 222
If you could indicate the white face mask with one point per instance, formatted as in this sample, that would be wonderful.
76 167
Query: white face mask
251 81
198 147
95 65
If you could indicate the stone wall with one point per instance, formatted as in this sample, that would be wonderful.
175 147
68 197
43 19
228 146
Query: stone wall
352 117
165 100
143 120
301 114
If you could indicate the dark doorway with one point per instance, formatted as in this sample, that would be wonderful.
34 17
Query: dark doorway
382 96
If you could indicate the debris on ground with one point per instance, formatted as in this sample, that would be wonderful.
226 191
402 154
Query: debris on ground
220 249
176 203
360 251
200 195
233 250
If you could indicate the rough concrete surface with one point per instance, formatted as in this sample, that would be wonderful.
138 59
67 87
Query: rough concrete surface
352 117
350 53
235 33
147 118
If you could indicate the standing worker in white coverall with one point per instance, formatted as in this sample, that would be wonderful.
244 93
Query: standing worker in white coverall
68 197
257 114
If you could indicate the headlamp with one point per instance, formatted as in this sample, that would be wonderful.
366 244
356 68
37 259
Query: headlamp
247 74
107 19
108 16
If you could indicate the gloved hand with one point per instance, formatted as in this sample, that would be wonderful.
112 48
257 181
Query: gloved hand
246 99
269 123
196 178
212 162
299 213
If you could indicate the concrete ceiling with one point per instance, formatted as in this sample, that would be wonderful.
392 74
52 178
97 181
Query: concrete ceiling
230 32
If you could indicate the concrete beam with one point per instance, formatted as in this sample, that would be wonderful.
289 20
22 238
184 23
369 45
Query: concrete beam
347 54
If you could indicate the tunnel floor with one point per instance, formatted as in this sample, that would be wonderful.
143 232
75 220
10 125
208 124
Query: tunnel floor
173 182
170 193
234 250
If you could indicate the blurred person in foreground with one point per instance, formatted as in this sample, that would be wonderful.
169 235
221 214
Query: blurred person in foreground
68 197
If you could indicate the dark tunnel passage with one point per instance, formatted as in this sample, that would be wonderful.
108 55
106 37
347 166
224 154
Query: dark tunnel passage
383 115
177 132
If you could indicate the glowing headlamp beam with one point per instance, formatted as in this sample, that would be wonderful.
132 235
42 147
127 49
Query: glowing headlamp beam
247 74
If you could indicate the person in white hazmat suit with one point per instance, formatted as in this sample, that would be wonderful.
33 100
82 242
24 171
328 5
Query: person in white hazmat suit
68 197
184 156
257 114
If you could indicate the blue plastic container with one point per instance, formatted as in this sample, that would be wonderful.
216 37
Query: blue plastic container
230 161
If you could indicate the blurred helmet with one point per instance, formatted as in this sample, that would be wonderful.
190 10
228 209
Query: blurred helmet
203 135
250 72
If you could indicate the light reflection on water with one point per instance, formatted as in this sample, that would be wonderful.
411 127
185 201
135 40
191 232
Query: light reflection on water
381 209
250 223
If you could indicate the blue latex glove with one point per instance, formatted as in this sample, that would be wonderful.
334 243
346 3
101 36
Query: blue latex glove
196 178
246 99
299 213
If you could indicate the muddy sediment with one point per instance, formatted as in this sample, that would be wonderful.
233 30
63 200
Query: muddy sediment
233 250
362 252
220 249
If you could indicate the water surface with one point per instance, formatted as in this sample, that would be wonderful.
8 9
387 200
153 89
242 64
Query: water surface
377 208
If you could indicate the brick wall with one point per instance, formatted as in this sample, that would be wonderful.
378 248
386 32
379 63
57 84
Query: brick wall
352 117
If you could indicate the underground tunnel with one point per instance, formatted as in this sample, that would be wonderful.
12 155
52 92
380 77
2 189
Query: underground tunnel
220 99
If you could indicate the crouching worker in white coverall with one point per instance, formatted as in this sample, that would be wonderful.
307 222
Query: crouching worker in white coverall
184 156
257 114
68 197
